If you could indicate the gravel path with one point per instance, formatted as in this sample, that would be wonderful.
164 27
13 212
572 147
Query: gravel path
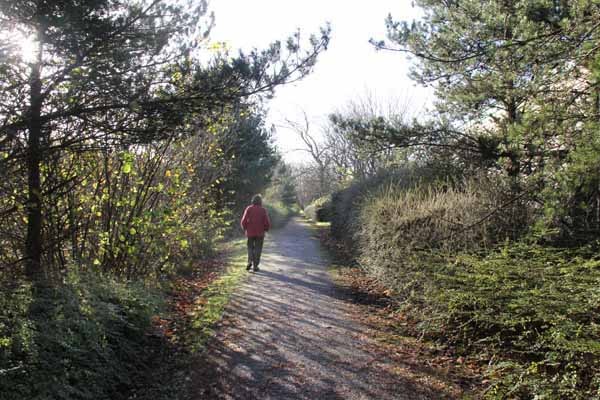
288 334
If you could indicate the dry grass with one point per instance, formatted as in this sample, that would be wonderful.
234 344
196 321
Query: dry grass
470 215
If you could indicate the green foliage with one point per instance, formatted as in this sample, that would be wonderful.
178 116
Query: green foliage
288 194
572 191
249 157
533 308
280 198
144 211
82 339
137 213
527 310
469 260
279 213
123 146
86 92
319 210
496 58
283 186
517 88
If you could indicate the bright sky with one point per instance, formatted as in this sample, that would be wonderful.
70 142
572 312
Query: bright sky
348 69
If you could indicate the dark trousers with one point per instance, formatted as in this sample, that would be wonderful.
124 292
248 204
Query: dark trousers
255 245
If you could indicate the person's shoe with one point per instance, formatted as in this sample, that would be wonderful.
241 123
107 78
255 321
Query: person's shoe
256 269
248 267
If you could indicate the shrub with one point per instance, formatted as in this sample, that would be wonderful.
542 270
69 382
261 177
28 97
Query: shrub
319 210
400 226
82 339
347 204
468 215
534 309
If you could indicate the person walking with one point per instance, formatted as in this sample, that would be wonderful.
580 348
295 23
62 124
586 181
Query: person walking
255 222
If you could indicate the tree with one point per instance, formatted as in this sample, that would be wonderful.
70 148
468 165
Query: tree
517 92
494 63
353 156
317 150
112 73
250 155
283 186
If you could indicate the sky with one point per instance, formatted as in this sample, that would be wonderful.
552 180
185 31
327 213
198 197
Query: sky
349 69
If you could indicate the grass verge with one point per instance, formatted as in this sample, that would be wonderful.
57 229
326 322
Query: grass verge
212 301
197 303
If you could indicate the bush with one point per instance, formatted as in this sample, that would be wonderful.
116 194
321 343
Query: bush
450 254
467 215
400 226
347 204
82 339
533 309
538 307
319 210
279 214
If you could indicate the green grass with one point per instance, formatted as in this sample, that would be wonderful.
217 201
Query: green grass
216 297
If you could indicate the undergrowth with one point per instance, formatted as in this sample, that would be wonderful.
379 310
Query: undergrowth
97 337
530 312
463 272
84 338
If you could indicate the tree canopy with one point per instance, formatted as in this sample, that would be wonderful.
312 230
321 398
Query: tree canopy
510 76
113 73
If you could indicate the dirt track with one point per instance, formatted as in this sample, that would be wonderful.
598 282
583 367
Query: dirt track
289 334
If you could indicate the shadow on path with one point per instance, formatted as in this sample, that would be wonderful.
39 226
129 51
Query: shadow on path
288 334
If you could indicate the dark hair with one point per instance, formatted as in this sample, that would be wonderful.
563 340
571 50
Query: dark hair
257 200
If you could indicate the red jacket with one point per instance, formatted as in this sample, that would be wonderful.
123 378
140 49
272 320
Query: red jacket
255 221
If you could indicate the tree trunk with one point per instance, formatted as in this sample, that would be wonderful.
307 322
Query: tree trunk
33 243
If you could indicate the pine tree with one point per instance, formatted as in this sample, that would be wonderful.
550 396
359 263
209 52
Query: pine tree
503 68
516 85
